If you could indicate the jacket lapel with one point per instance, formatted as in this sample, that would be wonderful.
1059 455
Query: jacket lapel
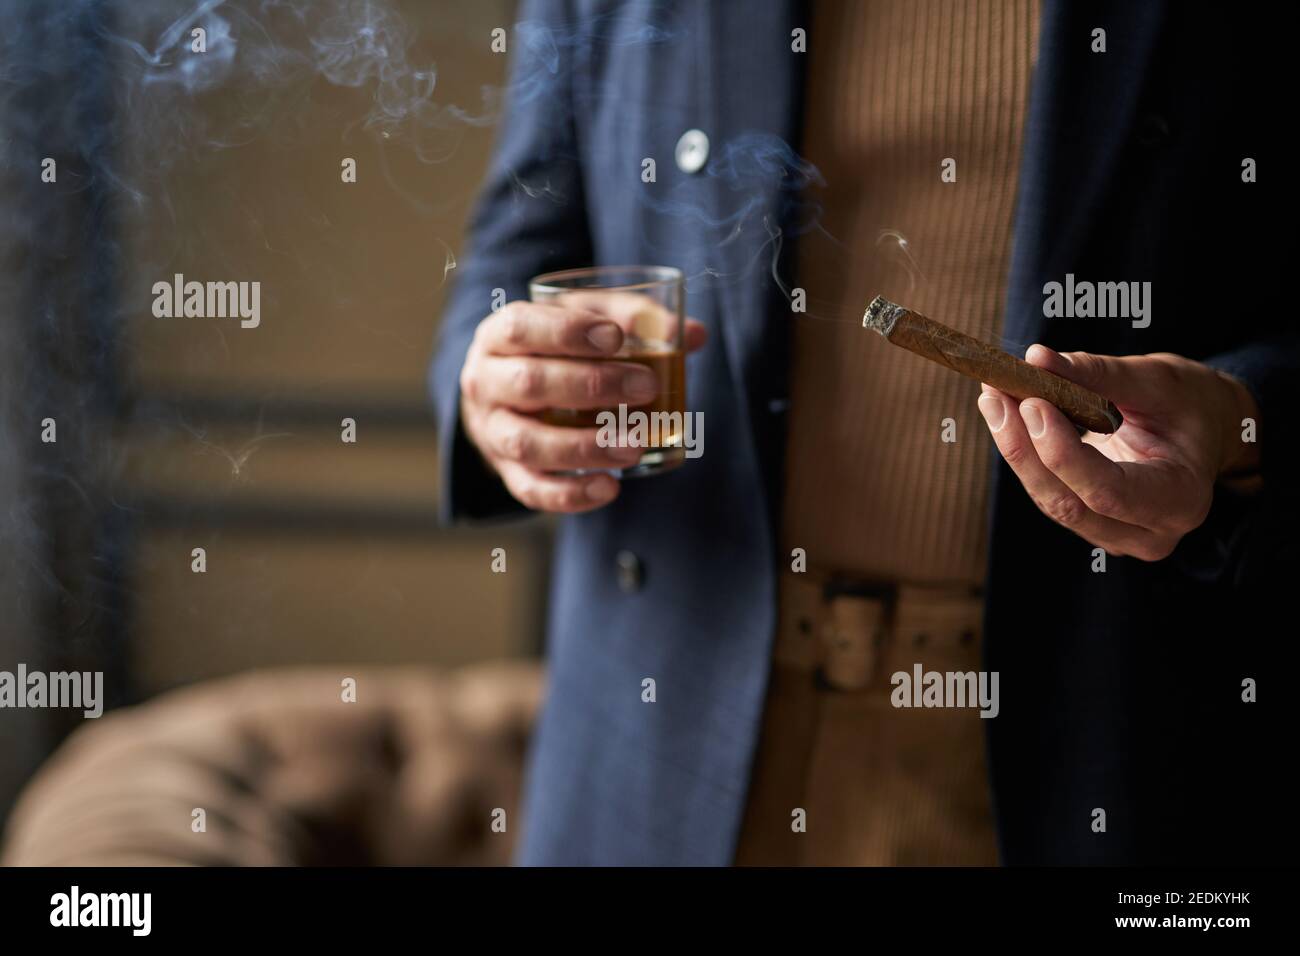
753 101
1082 108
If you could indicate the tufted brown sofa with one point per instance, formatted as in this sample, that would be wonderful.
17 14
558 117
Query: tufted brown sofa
287 773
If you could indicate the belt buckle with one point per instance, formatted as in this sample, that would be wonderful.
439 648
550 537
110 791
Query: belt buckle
855 633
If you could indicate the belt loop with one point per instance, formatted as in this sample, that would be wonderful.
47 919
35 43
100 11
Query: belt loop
854 634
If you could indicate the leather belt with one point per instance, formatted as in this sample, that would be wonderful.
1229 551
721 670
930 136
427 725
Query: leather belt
854 634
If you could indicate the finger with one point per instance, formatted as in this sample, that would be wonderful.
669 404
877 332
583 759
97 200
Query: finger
1098 481
531 328
638 315
1156 495
694 335
556 493
1052 496
532 384
1111 376
524 440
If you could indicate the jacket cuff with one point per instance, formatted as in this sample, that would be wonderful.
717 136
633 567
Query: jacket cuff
1267 373
1217 548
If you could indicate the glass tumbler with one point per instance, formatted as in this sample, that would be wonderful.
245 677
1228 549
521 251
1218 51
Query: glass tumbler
648 304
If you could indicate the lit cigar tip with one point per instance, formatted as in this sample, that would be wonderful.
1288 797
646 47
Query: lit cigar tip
881 315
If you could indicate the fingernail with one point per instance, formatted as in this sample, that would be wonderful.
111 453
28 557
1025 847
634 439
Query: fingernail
640 384
606 337
994 411
1033 420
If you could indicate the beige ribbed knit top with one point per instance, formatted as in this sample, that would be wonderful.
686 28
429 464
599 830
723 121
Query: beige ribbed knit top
896 90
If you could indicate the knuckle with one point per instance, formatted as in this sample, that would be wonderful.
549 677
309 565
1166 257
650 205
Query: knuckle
1088 365
1016 454
514 326
514 443
469 387
1051 455
528 380
1170 368
594 382
1063 508
1105 500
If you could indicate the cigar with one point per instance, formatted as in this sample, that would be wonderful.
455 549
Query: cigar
970 357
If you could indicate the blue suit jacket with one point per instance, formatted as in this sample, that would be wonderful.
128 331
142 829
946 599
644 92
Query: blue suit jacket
1120 690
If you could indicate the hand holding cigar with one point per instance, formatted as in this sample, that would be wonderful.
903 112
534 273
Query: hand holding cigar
975 359
1131 491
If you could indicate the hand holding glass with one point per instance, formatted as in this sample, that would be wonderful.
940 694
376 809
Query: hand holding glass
647 303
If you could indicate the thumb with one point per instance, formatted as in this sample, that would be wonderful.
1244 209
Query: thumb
1111 376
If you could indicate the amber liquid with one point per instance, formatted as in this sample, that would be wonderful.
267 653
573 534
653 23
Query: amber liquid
668 364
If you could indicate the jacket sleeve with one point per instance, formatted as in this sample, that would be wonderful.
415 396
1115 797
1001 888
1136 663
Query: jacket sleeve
530 217
1270 370
1244 535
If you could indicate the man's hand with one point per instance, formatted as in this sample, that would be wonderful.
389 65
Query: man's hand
528 357
1138 491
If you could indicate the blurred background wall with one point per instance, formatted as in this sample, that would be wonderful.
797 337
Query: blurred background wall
183 433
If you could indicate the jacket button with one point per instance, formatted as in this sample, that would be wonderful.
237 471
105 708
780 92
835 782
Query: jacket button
692 151
630 573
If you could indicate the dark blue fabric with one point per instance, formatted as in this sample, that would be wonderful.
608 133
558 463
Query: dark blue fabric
1119 690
